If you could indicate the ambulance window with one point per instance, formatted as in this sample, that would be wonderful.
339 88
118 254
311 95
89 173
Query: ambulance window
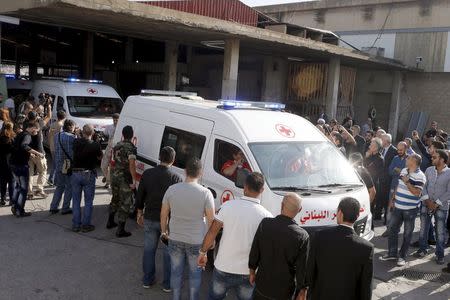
60 104
186 145
225 155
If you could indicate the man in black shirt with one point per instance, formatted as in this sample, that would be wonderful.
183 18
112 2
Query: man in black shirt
87 155
152 187
356 160
279 253
19 166
368 137
360 141
374 163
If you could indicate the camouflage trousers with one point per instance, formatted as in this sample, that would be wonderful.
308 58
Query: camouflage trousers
122 199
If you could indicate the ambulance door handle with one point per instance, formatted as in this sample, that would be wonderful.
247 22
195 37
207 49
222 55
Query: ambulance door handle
213 193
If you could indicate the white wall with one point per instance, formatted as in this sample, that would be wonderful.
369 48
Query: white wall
386 41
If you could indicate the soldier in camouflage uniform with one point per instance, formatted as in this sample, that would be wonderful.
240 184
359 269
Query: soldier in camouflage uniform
123 178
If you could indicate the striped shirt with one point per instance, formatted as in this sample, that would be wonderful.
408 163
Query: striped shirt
404 199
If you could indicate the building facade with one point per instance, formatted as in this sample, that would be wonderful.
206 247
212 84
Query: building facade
414 32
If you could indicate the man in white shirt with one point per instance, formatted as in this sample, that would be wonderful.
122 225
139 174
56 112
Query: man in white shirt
239 219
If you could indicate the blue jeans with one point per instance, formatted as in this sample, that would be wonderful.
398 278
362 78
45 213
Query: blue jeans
440 219
397 217
152 233
52 174
21 178
222 282
180 253
82 182
63 185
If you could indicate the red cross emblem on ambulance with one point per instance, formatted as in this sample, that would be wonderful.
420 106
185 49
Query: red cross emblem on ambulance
92 91
226 196
285 131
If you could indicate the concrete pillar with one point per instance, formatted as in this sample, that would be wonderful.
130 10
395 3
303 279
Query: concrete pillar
189 59
394 113
274 79
18 60
88 57
334 71
170 66
0 44
34 59
129 48
230 69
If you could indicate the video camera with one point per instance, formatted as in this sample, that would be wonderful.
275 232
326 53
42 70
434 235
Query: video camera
45 99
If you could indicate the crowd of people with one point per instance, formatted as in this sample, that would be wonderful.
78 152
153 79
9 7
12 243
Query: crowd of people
74 152
402 183
259 256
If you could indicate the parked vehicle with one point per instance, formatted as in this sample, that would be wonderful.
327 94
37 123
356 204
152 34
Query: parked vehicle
84 101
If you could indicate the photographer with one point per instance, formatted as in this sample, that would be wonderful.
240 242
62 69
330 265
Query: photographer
39 163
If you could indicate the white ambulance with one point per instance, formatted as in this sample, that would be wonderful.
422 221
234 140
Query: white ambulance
84 101
291 153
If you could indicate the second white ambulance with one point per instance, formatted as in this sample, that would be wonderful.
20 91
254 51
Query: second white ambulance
84 101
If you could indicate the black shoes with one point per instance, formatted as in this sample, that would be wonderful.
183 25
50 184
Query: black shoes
87 228
23 215
2 202
111 223
120 233
83 228
447 269
54 211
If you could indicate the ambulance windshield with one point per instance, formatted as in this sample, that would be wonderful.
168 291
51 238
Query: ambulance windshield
303 165
91 107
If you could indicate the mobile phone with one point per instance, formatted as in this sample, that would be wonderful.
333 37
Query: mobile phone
164 240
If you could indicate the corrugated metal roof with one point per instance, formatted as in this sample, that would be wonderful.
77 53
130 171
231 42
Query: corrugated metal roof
229 10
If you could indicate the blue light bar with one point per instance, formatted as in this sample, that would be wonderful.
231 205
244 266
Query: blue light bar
82 80
235 104
10 76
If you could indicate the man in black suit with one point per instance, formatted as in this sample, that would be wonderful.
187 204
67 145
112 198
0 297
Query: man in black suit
341 262
388 153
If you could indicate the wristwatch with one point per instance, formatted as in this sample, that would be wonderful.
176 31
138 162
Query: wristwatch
202 252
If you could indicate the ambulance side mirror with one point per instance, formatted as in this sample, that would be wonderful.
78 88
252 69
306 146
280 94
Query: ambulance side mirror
241 175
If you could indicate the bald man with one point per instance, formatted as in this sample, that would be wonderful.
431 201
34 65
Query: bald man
279 253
